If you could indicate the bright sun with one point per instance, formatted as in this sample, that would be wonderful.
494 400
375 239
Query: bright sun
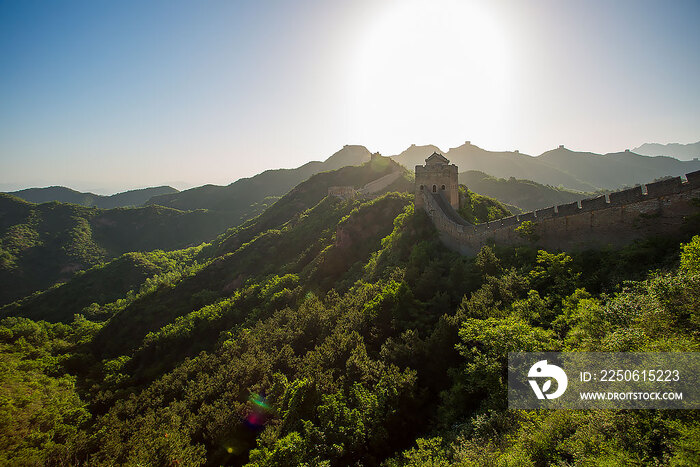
432 69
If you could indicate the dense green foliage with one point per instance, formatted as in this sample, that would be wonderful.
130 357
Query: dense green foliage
339 332
104 284
48 243
307 194
524 194
477 208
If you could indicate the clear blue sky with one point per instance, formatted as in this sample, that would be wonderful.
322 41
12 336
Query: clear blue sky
115 95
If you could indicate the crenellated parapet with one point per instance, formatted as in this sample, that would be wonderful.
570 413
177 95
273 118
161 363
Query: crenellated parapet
657 208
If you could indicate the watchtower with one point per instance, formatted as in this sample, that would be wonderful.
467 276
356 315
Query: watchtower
437 176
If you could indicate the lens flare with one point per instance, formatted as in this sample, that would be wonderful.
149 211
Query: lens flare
259 411
259 400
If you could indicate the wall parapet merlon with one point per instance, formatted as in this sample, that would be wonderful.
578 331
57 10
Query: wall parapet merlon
693 179
545 213
568 209
593 204
631 195
664 187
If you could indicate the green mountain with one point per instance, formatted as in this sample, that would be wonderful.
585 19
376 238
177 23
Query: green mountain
308 193
579 171
241 194
44 244
477 209
41 244
330 331
48 243
66 195
524 194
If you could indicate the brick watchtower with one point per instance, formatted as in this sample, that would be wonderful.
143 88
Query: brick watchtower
437 176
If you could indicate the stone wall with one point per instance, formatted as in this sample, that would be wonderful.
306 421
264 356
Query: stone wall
367 191
343 192
380 183
658 208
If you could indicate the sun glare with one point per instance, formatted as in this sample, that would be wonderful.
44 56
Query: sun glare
433 69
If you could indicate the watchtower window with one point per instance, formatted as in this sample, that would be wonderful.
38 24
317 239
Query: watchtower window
421 187
434 188
443 187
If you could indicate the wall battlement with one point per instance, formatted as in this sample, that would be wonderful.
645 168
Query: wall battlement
657 208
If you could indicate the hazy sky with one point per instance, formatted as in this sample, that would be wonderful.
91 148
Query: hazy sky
115 95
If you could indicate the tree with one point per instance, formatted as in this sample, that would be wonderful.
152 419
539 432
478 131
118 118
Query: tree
690 256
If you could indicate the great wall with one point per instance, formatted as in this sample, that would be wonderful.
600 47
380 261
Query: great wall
371 188
655 209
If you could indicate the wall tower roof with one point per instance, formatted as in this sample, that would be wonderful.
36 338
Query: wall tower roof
436 159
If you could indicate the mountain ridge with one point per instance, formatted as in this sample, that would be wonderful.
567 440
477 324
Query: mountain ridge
240 194
64 194
521 193
579 171
42 244
678 150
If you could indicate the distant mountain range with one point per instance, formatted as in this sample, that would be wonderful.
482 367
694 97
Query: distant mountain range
241 200
523 194
66 195
245 198
679 151
581 171
239 195
41 244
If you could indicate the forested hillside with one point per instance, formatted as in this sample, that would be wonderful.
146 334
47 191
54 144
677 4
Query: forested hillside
41 244
340 332
48 243
241 194
525 194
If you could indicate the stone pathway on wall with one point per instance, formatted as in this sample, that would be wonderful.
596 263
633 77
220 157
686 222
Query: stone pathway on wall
375 186
380 183
447 208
